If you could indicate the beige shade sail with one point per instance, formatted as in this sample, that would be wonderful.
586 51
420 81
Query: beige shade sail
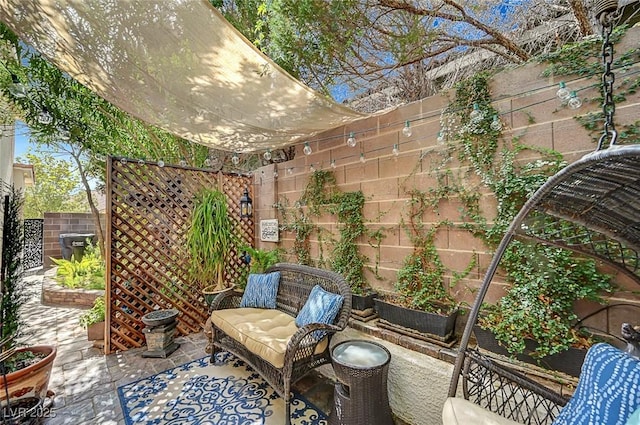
179 65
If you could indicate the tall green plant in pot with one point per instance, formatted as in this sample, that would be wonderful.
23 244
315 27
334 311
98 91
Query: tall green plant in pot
211 240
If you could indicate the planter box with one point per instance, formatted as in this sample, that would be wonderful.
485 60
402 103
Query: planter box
362 302
442 327
29 385
95 332
569 362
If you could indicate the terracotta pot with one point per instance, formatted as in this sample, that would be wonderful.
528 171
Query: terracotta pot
210 294
32 381
95 331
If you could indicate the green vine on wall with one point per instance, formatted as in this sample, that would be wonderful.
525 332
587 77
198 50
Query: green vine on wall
321 194
421 277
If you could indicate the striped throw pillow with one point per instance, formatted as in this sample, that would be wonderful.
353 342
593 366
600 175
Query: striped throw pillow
261 290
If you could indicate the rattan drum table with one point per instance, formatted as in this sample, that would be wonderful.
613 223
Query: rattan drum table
361 396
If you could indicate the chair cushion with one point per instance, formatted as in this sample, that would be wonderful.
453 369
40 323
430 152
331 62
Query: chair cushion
458 411
608 389
264 332
320 307
261 290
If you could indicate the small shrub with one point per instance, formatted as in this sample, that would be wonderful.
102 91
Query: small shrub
94 315
87 273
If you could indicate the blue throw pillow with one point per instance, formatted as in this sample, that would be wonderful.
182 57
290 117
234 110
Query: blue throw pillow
321 307
608 390
261 290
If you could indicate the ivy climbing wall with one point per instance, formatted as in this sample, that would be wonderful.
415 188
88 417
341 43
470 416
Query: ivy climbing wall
464 170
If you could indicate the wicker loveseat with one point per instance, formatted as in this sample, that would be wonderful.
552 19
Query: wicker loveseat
268 339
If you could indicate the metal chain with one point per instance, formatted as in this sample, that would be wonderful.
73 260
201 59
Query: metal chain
608 78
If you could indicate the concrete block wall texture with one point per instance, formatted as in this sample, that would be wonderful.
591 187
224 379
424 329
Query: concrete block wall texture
531 113
57 223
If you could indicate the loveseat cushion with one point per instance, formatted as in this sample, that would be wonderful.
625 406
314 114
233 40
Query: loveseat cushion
261 290
264 332
458 411
608 390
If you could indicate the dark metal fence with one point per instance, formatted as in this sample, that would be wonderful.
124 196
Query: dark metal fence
33 243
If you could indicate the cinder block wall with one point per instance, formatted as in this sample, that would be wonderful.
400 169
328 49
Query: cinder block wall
530 111
58 223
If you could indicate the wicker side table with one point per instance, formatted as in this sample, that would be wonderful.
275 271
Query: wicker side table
361 396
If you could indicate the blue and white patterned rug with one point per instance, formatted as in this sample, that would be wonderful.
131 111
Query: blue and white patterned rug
225 393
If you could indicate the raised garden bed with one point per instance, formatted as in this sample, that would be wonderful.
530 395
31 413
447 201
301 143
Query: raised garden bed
55 295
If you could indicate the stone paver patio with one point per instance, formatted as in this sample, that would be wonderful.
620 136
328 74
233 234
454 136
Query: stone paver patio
85 381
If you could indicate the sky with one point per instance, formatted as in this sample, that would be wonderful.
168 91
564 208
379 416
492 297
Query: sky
22 139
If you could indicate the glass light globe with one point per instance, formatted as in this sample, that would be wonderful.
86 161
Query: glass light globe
45 117
123 161
351 140
18 90
333 164
440 138
141 162
275 174
563 93
267 155
406 131
161 163
476 115
207 162
183 163
362 158
496 124
574 101
289 170
307 149
234 159
395 151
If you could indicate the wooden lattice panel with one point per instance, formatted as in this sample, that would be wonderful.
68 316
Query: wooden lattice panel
149 209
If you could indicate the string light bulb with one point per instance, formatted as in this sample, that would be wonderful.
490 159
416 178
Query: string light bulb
290 170
312 168
123 161
476 114
307 149
267 155
406 131
362 158
207 162
496 124
333 164
351 140
161 163
183 162
44 117
574 101
141 161
563 93
235 159
16 88
275 173
395 151
440 138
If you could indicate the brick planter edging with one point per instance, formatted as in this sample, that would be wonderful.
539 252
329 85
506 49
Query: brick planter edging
54 295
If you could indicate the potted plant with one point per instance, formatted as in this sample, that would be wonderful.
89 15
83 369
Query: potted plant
93 320
535 320
211 241
260 260
422 302
25 370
